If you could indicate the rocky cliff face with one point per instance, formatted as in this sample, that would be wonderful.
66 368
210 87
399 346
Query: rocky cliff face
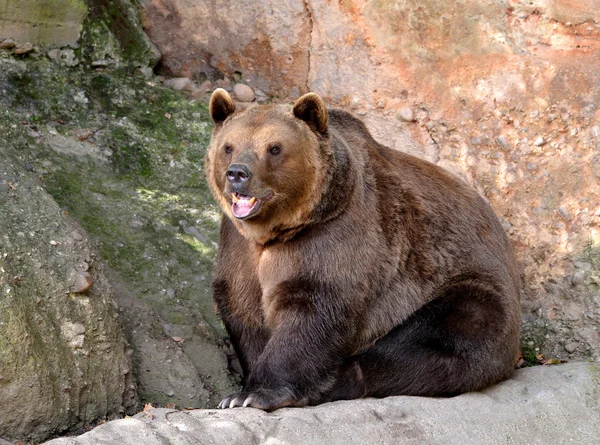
505 94
108 235
45 22
64 361
103 200
124 159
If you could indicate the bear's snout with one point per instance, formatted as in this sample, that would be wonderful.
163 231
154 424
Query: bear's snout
238 174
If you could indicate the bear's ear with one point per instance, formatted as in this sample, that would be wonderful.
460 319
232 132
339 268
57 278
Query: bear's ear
221 106
311 109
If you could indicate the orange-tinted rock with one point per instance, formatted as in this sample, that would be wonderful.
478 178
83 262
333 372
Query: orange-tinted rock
522 79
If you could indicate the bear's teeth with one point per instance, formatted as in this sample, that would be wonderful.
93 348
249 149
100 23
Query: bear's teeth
234 198
252 200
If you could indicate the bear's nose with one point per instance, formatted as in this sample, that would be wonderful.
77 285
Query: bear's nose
238 173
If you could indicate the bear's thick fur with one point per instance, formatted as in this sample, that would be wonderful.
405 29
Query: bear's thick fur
346 269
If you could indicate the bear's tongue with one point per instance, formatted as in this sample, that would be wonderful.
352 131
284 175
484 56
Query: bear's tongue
242 205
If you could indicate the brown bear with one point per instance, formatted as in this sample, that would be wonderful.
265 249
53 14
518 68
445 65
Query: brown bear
346 269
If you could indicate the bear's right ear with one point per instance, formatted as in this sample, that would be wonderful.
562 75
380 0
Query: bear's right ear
221 106
311 109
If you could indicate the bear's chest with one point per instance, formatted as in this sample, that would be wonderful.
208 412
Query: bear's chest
276 267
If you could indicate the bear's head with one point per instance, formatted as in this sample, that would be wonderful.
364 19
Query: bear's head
268 165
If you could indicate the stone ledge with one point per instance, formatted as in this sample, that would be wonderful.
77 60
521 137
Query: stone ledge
545 405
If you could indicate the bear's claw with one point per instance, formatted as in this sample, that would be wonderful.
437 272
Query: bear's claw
267 400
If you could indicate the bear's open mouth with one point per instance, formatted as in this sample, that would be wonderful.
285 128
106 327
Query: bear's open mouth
244 206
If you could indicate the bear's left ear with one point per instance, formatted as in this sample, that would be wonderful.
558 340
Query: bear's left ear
311 109
221 106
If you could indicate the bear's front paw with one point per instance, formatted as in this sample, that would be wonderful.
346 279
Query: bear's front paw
266 399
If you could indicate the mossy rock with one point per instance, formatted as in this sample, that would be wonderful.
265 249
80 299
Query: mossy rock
124 158
63 357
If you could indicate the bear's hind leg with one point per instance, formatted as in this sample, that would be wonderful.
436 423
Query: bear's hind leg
464 340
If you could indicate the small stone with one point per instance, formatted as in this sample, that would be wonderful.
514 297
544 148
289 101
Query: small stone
564 213
538 210
170 393
81 282
67 58
477 140
76 235
104 63
170 292
522 15
506 225
582 265
54 54
539 142
26 48
261 96
78 329
53 243
406 114
571 347
147 72
178 83
7 44
577 278
198 91
429 125
531 166
243 93
502 142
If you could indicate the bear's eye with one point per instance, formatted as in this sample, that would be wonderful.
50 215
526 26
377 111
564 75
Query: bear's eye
275 149
228 148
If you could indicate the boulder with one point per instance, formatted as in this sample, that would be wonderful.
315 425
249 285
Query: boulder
555 405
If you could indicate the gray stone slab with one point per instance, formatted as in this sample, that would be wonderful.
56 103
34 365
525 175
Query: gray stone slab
542 405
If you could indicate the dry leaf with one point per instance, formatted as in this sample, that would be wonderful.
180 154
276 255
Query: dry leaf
147 408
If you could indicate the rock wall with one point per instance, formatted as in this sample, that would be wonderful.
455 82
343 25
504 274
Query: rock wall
45 22
505 94
64 362
120 158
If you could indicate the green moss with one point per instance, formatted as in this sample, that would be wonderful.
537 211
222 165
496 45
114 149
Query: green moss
140 203
533 336
113 30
